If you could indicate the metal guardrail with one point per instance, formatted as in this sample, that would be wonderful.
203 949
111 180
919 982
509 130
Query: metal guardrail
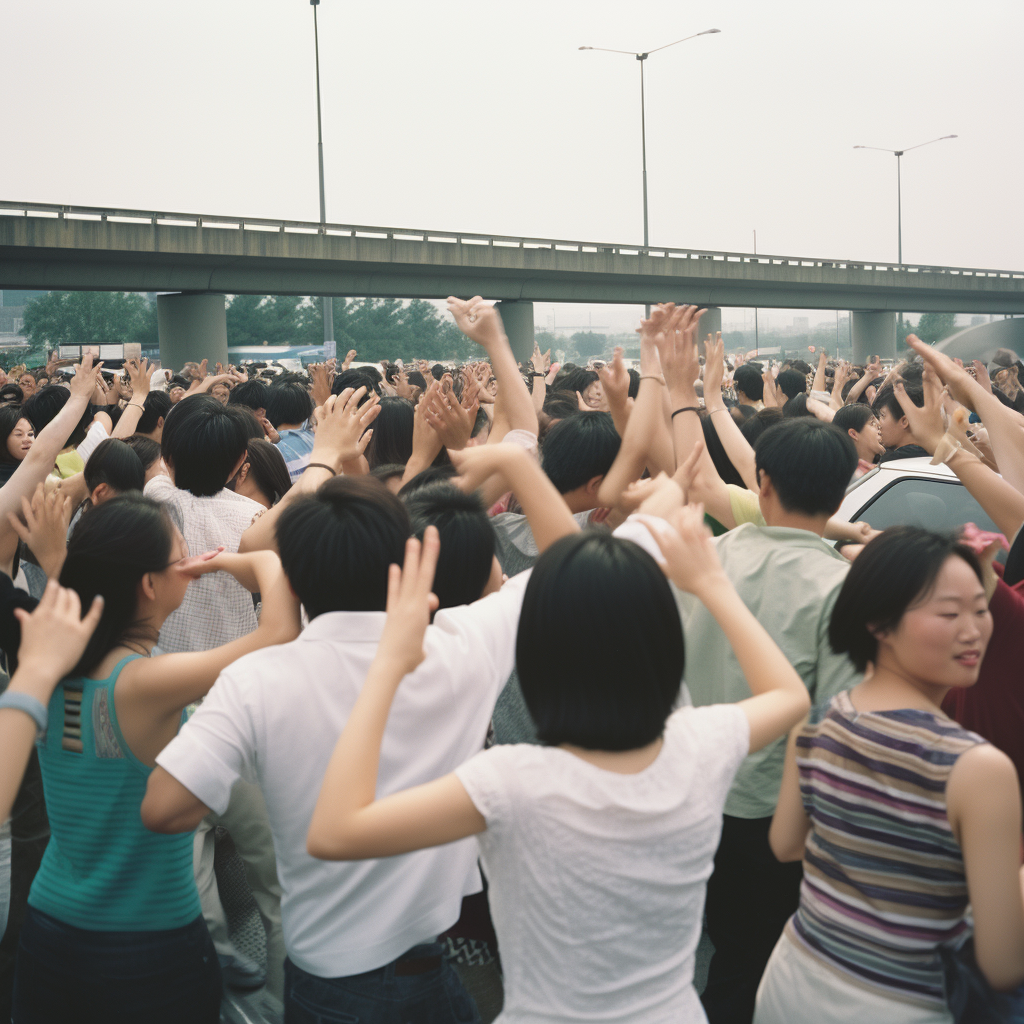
160 219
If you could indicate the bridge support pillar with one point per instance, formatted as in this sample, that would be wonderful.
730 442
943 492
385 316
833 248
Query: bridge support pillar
710 323
518 319
873 334
192 327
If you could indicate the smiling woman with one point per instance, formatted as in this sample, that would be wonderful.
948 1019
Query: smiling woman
908 825
16 437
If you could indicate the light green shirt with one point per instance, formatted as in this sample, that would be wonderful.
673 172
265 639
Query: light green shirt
790 580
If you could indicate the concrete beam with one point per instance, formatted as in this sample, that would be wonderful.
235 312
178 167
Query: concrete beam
192 328
873 334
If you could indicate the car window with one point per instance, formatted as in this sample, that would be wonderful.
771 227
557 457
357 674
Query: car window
933 504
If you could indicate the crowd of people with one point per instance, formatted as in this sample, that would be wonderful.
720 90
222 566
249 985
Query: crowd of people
505 683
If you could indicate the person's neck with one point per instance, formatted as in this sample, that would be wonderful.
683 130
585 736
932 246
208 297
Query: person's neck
622 762
796 520
288 426
906 438
741 399
891 687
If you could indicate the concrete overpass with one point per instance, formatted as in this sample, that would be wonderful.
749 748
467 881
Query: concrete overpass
91 248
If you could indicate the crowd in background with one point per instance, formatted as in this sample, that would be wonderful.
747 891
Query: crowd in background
499 685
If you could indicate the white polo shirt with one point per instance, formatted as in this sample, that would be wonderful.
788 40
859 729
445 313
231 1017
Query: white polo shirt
274 717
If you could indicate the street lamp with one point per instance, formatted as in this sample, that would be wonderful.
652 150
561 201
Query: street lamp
326 301
641 57
898 153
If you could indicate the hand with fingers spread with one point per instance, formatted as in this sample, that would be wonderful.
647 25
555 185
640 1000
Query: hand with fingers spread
691 561
410 604
43 526
478 320
86 377
426 440
451 420
322 380
541 360
615 381
925 421
773 398
194 566
714 371
140 374
674 331
962 386
342 431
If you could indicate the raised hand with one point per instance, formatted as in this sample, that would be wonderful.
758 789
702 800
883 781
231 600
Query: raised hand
410 604
451 420
674 334
541 360
658 497
981 375
771 391
194 566
615 380
86 377
349 357
322 380
478 320
54 636
691 561
714 366
139 373
925 421
43 526
342 427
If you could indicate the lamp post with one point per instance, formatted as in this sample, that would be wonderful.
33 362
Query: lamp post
326 300
898 153
642 57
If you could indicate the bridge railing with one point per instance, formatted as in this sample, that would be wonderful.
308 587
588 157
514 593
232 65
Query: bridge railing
158 218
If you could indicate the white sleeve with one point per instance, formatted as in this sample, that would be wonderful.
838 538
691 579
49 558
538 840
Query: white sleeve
486 777
215 747
161 488
96 433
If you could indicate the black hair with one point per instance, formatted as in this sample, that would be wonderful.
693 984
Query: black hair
560 405
42 407
391 371
179 381
288 403
576 380
796 406
253 394
592 693
853 417
886 399
157 405
336 545
115 464
374 374
892 574
427 477
791 383
749 381
355 379
759 423
810 464
12 393
392 433
482 420
467 540
579 448
726 470
437 371
9 418
268 469
634 382
203 441
418 380
388 471
801 366
110 551
145 448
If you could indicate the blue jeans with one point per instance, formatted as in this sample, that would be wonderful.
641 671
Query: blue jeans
69 974
387 995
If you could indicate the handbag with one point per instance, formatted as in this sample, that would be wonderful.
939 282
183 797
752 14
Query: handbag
969 996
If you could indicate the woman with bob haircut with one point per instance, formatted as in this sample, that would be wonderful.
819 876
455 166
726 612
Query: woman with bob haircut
612 825
16 437
908 825
114 930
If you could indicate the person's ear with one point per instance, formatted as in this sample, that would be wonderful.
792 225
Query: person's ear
853 434
593 485
100 493
765 482
239 464
242 474
147 587
160 423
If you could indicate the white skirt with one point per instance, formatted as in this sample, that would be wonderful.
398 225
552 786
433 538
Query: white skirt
796 989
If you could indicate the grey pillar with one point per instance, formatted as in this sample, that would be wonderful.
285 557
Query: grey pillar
191 328
518 319
710 323
873 334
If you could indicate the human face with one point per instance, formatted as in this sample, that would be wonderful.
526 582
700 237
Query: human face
20 440
869 441
891 431
593 395
27 383
176 394
221 393
941 640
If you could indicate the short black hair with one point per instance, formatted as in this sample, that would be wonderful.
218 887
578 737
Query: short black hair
886 399
759 423
589 692
336 545
560 405
579 448
796 406
853 417
467 540
392 433
749 381
801 366
437 371
810 464
12 393
418 380
355 379
146 448
156 406
634 383
288 403
895 571
268 469
253 394
575 380
115 464
791 383
202 443
42 407
427 478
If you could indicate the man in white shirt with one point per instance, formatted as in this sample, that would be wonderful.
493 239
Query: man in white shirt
274 718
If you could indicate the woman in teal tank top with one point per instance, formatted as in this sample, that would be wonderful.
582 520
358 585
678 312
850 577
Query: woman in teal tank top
114 930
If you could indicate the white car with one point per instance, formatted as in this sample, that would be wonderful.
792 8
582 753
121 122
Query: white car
911 492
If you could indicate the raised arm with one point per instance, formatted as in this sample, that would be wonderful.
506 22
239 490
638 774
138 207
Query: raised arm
780 698
139 373
736 446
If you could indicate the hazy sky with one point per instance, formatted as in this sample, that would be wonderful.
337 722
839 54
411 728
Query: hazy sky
485 116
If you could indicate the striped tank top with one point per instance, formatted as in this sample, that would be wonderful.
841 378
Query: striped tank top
103 870
884 887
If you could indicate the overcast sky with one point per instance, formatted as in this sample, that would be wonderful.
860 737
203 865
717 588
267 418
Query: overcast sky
485 116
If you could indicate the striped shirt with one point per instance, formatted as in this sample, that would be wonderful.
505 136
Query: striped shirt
296 446
884 887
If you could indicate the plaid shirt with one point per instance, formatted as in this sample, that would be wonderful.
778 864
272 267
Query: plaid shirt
217 608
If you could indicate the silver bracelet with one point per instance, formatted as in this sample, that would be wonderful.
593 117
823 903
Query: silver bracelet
32 706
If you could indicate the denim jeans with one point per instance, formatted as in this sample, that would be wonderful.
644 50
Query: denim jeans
381 996
161 977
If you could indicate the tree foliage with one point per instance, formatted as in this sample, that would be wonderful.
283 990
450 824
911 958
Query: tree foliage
934 327
89 318
589 343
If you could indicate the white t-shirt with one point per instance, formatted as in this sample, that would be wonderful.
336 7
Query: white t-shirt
274 716
597 879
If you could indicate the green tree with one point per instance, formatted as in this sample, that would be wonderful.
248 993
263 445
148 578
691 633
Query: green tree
934 327
588 343
546 340
89 318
